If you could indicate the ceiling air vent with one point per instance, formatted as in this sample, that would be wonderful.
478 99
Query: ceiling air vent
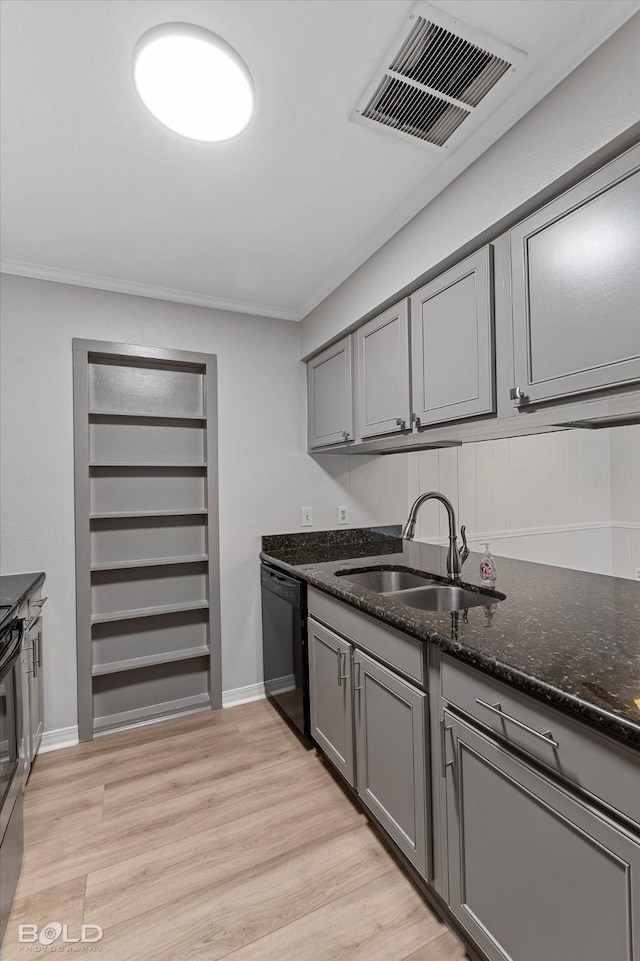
438 72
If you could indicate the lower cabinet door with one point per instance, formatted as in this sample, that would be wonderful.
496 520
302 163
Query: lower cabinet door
391 753
36 688
331 702
535 874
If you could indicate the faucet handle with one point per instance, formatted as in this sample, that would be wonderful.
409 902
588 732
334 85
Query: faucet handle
464 550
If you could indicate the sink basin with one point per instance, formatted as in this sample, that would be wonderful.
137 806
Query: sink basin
443 597
418 590
385 581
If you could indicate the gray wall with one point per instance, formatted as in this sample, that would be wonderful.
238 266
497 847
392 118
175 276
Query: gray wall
265 473
593 105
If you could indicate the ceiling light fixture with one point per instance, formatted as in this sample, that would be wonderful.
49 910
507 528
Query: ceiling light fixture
193 82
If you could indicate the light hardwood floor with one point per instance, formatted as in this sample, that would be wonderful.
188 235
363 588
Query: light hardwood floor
213 836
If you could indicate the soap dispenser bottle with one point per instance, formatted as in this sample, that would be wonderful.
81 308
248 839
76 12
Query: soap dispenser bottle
488 569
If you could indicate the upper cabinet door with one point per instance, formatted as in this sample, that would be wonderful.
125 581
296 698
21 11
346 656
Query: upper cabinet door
452 343
576 288
330 387
382 373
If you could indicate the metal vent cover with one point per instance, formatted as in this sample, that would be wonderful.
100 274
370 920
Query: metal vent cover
437 73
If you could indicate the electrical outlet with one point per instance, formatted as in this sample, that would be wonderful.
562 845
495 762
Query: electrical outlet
306 517
343 515
637 573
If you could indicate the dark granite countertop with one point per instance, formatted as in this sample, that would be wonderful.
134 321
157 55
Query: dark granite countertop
15 589
567 637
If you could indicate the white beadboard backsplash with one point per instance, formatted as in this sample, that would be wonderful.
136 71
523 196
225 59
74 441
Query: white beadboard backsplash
570 498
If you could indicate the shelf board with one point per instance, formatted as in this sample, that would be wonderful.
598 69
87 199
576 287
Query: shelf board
148 612
183 705
179 512
133 663
150 562
145 415
163 466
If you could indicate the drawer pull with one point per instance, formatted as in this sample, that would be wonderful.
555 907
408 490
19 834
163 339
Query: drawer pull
497 709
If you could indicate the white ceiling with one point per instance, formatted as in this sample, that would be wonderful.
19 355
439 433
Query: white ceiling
96 192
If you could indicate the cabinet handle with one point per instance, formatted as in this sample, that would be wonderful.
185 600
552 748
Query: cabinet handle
342 660
444 764
346 434
39 641
517 394
497 709
357 687
341 674
401 422
415 420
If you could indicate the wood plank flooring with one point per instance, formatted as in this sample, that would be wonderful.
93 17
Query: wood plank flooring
207 837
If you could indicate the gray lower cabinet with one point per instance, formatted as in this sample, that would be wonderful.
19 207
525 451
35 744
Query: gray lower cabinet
392 755
330 395
576 288
382 373
535 874
32 688
452 349
36 689
330 696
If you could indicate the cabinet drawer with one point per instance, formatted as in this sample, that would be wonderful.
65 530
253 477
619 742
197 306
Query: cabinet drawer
600 766
400 651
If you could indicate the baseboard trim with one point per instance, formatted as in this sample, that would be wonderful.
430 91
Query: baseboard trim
63 737
243 695
59 738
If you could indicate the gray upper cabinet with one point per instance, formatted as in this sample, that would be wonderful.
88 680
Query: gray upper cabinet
534 872
576 288
330 395
392 755
382 373
330 697
452 343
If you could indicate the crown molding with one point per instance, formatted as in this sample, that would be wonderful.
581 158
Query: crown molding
60 276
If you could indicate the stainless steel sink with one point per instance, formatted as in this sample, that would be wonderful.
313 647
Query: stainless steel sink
385 581
443 597
418 590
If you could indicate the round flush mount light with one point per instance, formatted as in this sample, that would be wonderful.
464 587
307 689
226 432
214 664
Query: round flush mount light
193 82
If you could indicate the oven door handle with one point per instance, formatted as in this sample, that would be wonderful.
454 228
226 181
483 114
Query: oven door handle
12 654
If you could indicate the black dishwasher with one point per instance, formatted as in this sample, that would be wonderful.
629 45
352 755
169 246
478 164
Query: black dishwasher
284 645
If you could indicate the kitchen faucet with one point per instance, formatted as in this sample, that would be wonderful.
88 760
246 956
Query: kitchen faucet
455 556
